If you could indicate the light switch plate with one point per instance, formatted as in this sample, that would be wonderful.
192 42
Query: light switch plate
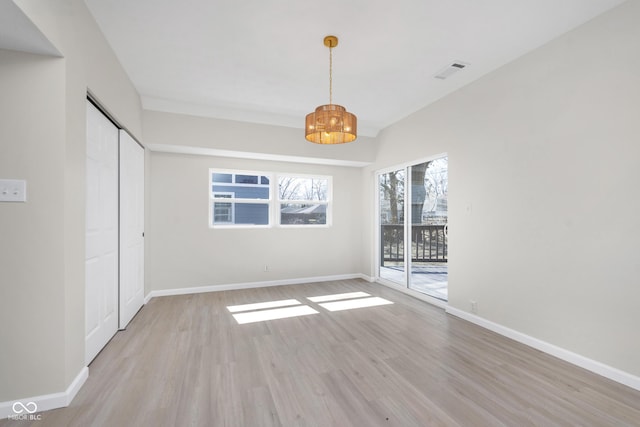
13 190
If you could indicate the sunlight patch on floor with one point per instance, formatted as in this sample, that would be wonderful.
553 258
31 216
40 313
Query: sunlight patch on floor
263 305
282 309
354 303
276 313
336 297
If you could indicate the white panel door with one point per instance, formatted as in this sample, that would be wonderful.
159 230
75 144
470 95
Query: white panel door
101 254
131 228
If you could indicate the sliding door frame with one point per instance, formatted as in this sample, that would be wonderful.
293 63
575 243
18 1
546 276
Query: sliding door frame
407 230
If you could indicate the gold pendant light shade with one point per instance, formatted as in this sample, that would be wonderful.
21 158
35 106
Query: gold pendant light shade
331 123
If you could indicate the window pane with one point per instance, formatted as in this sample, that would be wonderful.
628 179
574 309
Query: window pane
240 213
222 177
246 179
296 213
391 190
252 213
222 213
293 188
241 192
240 198
428 225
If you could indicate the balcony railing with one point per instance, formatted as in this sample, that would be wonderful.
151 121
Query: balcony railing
428 243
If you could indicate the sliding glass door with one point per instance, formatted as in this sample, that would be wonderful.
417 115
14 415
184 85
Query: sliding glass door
429 228
422 221
391 187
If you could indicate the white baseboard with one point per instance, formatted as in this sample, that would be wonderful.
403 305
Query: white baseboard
561 353
367 278
250 285
48 401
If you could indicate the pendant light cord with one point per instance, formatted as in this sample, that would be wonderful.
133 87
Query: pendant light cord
330 75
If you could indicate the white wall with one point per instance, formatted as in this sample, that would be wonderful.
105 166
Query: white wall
43 140
185 252
543 180
190 131
182 251
32 236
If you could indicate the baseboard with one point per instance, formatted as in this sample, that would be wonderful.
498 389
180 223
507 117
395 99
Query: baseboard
367 278
250 285
48 401
576 359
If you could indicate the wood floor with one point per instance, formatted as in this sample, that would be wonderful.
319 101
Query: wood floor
184 361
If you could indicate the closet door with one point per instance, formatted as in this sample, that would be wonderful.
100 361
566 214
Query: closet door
131 228
101 253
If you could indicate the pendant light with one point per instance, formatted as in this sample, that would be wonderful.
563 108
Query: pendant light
331 123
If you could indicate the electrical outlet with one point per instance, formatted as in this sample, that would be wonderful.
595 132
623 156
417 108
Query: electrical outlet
13 190
474 307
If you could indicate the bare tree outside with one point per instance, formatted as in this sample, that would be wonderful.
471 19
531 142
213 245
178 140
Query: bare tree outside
392 195
429 187
418 191
288 188
436 184
319 187
295 188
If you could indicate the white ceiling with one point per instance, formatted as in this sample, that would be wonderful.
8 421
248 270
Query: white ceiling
264 61
17 32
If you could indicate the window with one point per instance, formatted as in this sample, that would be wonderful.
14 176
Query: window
239 199
244 199
304 200
223 212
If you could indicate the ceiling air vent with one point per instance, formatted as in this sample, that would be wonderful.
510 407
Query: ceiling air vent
450 70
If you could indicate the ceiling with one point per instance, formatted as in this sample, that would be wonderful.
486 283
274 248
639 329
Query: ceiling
17 32
264 61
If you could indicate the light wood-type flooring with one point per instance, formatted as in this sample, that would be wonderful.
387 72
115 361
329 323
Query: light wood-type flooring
184 361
